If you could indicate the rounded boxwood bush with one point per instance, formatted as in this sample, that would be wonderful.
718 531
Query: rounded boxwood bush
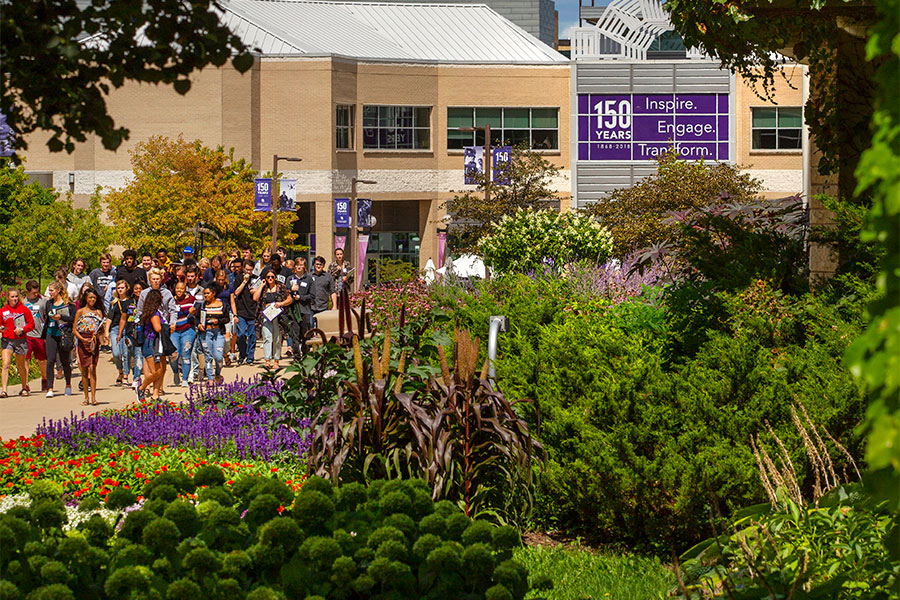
331 543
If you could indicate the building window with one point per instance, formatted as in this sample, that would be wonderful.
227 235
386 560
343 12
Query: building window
777 128
343 129
397 127
537 128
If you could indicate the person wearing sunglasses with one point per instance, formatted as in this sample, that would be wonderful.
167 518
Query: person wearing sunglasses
272 297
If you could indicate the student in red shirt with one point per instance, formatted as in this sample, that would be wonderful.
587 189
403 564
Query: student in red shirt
16 321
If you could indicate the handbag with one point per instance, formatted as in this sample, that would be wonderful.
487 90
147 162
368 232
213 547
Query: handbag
66 338
164 345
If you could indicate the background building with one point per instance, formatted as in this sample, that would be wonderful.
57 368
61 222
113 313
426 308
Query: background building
637 90
372 91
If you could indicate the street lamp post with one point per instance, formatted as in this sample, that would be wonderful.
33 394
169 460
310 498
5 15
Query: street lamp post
488 160
354 225
276 196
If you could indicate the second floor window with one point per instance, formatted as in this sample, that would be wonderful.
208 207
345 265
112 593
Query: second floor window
343 129
538 128
776 128
397 127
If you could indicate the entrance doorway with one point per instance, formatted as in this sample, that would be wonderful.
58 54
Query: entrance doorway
395 237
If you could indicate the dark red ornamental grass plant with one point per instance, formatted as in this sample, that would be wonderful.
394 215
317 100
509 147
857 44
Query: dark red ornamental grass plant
450 428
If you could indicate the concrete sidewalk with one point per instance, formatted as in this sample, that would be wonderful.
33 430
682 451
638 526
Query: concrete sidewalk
20 415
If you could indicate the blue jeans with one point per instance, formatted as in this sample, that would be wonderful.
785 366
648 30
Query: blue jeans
184 341
214 351
121 352
138 356
246 332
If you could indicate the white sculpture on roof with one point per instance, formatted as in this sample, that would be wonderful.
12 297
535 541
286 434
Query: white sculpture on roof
634 24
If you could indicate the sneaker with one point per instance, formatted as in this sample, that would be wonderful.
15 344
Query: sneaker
185 384
50 394
80 386
68 390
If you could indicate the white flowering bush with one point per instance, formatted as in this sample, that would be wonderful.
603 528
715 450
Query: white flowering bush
536 240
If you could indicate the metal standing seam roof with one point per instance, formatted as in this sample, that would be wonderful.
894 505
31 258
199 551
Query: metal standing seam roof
464 33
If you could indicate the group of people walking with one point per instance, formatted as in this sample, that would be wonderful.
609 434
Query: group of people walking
155 311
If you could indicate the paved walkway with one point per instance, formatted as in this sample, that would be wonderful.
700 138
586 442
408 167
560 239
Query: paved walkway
20 415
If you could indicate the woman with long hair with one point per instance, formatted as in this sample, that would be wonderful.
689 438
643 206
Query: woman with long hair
131 329
226 295
271 296
16 321
215 316
89 333
157 344
117 330
58 333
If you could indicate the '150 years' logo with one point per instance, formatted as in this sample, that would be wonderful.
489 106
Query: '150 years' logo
613 120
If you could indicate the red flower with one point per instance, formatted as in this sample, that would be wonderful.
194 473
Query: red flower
155 454
274 469
96 473
29 481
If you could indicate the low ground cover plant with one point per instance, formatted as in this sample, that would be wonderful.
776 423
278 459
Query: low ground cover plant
259 540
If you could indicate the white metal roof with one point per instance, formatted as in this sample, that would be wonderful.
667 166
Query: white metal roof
466 33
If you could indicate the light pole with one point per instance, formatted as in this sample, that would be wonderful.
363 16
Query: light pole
487 156
354 225
276 197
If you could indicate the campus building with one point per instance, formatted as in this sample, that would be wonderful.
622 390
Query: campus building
373 91
636 91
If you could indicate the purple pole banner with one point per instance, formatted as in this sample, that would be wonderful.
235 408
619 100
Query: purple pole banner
473 163
640 127
7 137
340 242
442 247
363 241
363 212
502 162
342 212
262 200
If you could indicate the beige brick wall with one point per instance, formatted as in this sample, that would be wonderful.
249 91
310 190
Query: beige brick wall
780 171
286 107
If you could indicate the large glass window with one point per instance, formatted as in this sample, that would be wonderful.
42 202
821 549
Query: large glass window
343 129
777 128
535 127
397 127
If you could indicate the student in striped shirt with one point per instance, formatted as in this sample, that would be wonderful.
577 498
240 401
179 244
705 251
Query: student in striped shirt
185 332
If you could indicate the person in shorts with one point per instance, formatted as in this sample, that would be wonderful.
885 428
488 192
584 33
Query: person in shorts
15 323
37 349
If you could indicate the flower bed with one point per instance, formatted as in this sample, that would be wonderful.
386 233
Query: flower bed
238 431
110 465
90 456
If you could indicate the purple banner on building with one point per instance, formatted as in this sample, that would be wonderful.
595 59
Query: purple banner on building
262 198
638 127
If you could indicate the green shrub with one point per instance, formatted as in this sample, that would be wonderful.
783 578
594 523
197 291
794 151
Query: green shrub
640 447
366 546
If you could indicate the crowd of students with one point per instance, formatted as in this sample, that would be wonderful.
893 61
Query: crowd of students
154 312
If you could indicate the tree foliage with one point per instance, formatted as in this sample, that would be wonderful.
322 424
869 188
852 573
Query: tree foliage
53 81
17 198
530 176
48 236
828 35
179 183
636 216
875 356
